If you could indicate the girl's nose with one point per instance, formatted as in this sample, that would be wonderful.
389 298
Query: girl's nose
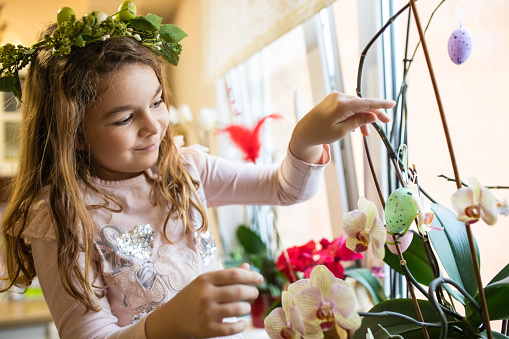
150 125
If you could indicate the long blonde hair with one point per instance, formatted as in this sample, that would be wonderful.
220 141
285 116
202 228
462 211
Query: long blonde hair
57 92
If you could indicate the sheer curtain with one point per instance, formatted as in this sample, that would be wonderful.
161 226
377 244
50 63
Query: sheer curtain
236 29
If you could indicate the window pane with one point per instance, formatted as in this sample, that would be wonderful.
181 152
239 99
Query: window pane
290 86
11 133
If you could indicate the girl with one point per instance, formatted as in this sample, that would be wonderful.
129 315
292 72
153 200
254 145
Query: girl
112 216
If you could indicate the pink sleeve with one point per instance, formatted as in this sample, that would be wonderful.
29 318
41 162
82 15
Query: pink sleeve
226 182
67 314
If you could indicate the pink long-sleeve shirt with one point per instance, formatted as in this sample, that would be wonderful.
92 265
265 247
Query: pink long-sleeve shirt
138 268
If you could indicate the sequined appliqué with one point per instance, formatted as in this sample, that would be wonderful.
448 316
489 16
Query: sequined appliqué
178 265
206 245
138 242
146 311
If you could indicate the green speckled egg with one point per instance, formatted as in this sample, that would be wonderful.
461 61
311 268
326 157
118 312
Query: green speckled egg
400 210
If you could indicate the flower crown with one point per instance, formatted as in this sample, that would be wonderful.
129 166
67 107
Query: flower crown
94 27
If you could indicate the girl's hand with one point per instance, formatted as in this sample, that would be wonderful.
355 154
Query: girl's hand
333 118
198 310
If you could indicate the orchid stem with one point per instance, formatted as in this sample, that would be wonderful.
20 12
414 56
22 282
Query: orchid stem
473 253
398 315
490 187
373 173
411 290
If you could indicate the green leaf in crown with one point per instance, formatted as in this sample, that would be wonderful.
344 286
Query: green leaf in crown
94 27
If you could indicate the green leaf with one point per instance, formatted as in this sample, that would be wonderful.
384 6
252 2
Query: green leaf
154 20
368 280
416 260
452 247
171 33
497 296
251 241
395 325
142 24
170 55
8 83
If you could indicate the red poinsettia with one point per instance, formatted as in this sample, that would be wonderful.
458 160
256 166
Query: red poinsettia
302 259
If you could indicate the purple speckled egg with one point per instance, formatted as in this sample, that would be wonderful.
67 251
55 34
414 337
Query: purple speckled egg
460 45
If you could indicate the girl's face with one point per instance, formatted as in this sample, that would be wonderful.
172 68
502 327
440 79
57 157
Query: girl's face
124 127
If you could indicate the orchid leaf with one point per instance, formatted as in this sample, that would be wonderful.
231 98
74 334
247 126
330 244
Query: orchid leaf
452 247
496 292
368 280
395 325
251 241
416 261
171 33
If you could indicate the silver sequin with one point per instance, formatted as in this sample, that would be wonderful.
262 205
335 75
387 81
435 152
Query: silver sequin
206 245
138 242
143 313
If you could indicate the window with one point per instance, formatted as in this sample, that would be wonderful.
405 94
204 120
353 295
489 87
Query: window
10 125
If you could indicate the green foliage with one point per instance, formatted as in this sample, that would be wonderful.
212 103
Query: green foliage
416 260
71 33
452 247
254 251
403 327
368 280
496 292
252 243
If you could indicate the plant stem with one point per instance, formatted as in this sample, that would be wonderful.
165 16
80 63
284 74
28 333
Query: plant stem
473 252
411 289
398 315
398 249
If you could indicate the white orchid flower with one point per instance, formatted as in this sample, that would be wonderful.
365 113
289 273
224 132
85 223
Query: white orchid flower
363 227
475 202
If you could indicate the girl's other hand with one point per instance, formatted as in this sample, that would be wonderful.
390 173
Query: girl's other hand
199 309
333 118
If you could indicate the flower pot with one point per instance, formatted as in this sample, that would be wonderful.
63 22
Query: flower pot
259 307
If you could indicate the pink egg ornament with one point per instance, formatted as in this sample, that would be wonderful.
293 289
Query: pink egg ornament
460 45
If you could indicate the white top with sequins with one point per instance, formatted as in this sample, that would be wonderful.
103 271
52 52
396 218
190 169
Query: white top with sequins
138 267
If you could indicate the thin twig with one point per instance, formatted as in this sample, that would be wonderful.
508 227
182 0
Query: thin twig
463 183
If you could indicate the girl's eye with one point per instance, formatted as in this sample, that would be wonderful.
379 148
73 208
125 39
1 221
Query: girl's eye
124 122
157 103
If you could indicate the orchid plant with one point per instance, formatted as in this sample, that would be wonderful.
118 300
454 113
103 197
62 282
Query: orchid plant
423 239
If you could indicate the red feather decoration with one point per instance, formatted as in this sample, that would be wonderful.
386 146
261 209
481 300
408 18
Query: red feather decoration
246 138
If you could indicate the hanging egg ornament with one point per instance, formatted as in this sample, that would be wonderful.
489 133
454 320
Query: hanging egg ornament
400 210
460 45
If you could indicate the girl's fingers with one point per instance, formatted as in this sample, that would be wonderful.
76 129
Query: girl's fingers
364 104
235 276
356 121
232 293
224 329
365 130
229 310
381 115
